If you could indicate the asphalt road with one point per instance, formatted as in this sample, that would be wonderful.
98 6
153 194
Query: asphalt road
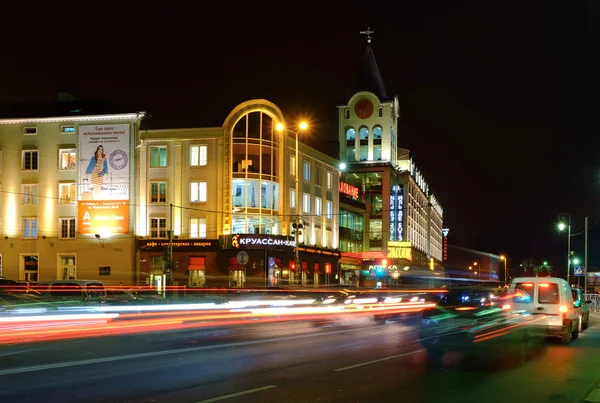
284 362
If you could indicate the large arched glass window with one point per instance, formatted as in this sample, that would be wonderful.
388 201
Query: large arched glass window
364 133
350 134
377 133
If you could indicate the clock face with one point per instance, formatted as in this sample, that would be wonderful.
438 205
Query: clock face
363 108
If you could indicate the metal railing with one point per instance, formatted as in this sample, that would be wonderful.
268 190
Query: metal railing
595 298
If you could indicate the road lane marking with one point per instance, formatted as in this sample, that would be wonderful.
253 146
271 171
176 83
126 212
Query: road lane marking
379 360
165 352
246 392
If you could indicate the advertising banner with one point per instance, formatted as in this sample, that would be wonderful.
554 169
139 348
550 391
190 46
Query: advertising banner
104 162
101 217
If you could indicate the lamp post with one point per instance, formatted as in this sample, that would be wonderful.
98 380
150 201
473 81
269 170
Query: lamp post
502 257
302 126
561 226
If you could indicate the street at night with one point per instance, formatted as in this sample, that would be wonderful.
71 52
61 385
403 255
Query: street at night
356 361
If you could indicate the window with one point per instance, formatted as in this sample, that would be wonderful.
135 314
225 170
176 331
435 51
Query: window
292 198
29 160
318 176
158 192
30 131
104 271
198 156
29 193
66 159
318 206
67 269
377 133
197 227
306 203
67 228
67 129
380 112
347 113
30 228
364 133
66 193
198 192
329 180
329 210
158 227
351 135
292 165
158 157
306 170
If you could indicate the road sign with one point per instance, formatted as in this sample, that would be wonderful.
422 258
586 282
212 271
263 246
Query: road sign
578 270
242 258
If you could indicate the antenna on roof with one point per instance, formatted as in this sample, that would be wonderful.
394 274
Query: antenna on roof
368 33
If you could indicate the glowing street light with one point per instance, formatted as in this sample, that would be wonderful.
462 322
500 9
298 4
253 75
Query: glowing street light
564 222
502 257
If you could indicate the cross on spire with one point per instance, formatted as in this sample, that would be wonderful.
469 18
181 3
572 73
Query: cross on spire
368 33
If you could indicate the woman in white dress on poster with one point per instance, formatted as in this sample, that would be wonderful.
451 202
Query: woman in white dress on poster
97 168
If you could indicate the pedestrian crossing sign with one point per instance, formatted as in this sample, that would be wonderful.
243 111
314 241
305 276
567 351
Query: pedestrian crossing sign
579 270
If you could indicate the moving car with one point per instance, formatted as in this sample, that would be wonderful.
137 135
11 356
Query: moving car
583 309
76 291
473 326
549 296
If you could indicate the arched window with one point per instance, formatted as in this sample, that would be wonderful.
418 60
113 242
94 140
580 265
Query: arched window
350 134
364 133
377 132
380 112
347 113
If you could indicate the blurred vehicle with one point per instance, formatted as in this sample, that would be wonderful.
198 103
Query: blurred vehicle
76 291
583 309
146 296
552 297
473 326
22 300
119 296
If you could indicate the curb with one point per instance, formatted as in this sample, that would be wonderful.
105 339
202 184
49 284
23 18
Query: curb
594 396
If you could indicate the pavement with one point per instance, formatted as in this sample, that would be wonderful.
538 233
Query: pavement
594 396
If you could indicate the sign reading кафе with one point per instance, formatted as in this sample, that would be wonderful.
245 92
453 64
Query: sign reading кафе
191 245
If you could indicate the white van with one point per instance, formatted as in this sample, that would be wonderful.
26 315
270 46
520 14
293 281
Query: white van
79 291
549 296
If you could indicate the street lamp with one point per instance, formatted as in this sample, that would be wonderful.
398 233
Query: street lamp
280 128
561 227
502 257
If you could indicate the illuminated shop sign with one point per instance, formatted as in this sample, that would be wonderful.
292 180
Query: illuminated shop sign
349 190
109 217
396 213
445 243
399 250
179 244
258 241
319 251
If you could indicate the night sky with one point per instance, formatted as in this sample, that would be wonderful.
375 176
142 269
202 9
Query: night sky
496 98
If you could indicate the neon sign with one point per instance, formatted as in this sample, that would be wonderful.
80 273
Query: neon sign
349 190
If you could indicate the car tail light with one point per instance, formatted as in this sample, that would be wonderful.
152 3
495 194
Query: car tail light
505 306
544 285
563 308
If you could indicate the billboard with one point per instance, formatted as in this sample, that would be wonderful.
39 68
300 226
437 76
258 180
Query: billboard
103 217
104 162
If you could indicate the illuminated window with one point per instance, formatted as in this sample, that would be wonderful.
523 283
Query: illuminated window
351 135
67 228
158 227
329 210
30 228
377 133
329 180
67 129
158 156
197 227
29 160
292 165
364 133
67 159
198 155
158 192
318 206
292 198
306 203
66 193
306 170
29 193
197 192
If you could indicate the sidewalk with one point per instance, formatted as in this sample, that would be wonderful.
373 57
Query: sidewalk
594 396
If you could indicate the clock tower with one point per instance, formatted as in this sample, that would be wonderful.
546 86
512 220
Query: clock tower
368 122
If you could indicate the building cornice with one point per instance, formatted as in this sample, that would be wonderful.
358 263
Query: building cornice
72 119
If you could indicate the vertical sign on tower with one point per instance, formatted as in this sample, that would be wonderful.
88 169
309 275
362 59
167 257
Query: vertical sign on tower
445 243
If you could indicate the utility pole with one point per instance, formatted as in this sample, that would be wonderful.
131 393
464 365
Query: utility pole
585 264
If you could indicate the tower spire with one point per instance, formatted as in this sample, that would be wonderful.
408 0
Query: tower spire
368 33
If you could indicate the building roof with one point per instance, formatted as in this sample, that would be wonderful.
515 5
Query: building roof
368 76
60 109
